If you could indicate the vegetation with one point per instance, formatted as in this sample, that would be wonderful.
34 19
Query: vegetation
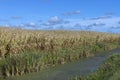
26 51
110 70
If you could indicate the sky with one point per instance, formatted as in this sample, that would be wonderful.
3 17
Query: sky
94 15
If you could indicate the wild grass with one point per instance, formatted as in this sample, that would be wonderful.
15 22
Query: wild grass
110 70
26 51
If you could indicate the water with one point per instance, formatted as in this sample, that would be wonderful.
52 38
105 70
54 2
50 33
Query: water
66 71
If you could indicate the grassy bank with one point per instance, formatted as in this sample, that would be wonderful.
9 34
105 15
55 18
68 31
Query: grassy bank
110 70
26 51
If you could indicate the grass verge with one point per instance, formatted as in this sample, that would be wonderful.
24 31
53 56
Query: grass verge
110 70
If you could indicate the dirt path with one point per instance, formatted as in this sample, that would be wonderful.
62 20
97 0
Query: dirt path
64 72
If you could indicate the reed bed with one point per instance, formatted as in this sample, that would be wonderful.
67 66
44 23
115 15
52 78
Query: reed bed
26 51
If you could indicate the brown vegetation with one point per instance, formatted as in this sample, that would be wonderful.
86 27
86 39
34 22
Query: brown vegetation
25 51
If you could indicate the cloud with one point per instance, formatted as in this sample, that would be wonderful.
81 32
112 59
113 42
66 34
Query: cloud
31 24
101 17
46 24
87 26
110 13
103 23
39 20
61 27
115 27
55 20
16 17
77 25
106 16
7 25
96 24
71 13
118 22
4 20
66 22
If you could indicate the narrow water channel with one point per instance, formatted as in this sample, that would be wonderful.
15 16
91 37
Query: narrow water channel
65 72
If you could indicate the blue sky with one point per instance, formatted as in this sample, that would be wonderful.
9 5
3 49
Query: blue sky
98 15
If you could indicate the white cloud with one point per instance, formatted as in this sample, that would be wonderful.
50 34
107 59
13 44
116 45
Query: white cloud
46 24
55 20
102 23
72 12
32 24
7 25
101 17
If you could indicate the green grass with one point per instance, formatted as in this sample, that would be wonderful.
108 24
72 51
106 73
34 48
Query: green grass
110 70
116 76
